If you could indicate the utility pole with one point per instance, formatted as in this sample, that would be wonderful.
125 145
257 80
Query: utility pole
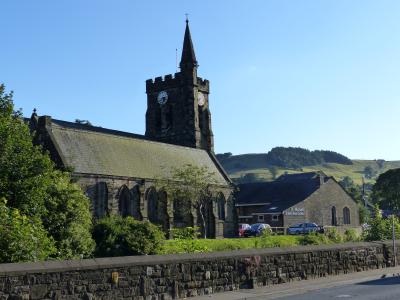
394 241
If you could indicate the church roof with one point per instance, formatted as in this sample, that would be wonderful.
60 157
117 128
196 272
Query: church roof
278 195
95 150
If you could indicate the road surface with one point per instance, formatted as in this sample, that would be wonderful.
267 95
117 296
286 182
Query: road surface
387 288
382 284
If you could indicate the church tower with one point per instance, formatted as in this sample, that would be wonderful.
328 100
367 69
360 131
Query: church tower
177 106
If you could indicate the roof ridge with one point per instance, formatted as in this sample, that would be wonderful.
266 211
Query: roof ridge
114 133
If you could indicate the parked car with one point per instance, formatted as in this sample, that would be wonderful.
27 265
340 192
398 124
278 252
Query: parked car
242 228
256 229
304 228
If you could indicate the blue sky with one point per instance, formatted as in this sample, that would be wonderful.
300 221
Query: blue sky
315 74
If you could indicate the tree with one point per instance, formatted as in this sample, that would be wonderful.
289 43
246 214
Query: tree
386 190
346 182
369 172
22 238
274 171
190 186
248 178
36 189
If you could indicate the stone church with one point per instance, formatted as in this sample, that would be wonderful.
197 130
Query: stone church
118 170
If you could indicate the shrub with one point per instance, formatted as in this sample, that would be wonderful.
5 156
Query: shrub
314 239
185 233
118 236
185 241
350 235
381 229
333 235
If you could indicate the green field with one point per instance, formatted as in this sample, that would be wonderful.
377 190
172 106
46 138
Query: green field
240 165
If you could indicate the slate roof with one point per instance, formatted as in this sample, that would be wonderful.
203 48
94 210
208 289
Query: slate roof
278 195
96 150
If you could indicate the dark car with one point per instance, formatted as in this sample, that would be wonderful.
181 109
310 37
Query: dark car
256 229
304 228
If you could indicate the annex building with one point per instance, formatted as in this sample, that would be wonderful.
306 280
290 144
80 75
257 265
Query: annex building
118 170
297 198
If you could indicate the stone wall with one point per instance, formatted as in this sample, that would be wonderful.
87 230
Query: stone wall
178 276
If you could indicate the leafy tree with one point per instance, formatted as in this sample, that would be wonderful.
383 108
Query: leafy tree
381 228
248 178
191 187
22 238
369 172
386 190
346 182
380 163
68 218
121 236
32 186
274 171
355 191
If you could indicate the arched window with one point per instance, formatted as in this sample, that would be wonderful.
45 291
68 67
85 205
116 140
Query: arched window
221 206
162 211
334 219
151 198
125 201
346 215
100 204
98 195
136 203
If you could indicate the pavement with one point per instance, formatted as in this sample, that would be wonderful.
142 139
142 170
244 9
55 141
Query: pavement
376 284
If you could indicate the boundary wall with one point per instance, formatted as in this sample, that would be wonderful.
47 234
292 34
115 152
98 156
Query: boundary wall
163 277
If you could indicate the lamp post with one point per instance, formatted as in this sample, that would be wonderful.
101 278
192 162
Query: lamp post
394 241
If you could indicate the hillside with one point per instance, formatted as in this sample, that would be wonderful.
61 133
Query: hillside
238 166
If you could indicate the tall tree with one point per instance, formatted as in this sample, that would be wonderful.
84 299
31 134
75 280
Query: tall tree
33 187
386 190
191 186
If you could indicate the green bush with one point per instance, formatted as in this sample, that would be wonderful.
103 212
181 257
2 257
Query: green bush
118 236
381 229
185 233
185 241
314 239
333 235
350 235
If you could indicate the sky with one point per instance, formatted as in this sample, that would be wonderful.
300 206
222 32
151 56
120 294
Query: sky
303 73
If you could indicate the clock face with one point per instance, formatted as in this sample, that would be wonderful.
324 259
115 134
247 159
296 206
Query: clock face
162 97
201 99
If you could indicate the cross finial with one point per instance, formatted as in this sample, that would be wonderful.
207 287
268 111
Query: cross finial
187 18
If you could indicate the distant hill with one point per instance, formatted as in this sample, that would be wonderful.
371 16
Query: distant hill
258 167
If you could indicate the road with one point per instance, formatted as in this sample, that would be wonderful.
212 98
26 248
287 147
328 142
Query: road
382 284
382 289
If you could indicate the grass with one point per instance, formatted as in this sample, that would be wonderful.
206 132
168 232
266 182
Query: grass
227 244
192 245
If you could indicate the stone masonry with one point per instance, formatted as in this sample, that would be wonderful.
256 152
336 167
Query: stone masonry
178 276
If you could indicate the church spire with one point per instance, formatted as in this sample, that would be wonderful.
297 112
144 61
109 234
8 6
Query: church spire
188 60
